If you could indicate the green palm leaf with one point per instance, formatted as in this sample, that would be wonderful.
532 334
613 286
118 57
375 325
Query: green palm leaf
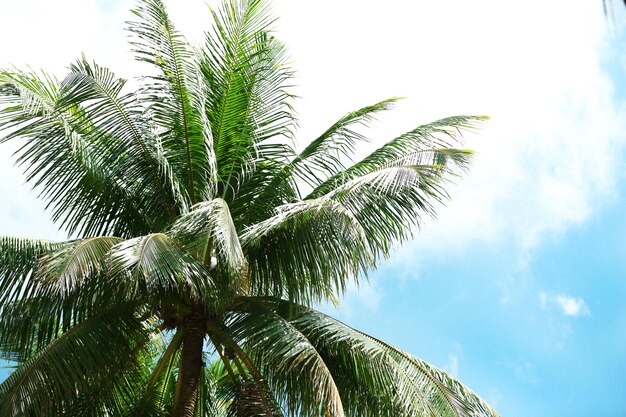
66 157
245 71
439 138
324 156
319 241
416 387
19 258
75 363
328 154
209 229
121 116
63 271
400 183
176 99
294 369
154 266
157 395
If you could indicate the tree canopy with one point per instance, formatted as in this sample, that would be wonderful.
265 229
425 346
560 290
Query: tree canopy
203 237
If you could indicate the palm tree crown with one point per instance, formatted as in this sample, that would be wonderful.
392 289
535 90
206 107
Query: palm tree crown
202 238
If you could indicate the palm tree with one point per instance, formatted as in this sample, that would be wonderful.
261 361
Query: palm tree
200 235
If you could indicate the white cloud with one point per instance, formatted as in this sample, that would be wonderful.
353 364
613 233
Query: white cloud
572 306
550 155
569 306
548 158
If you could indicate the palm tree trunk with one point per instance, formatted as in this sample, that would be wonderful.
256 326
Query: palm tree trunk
191 365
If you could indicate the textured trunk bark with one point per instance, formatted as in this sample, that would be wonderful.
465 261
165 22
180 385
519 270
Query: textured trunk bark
191 365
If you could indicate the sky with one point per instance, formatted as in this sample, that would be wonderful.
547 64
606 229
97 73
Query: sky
518 287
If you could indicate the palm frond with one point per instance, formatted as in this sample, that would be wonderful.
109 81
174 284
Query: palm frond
74 363
400 183
439 138
208 228
391 202
122 118
62 286
61 289
69 160
177 98
157 394
19 258
62 272
307 251
245 70
294 369
263 190
388 380
153 266
117 393
219 390
327 155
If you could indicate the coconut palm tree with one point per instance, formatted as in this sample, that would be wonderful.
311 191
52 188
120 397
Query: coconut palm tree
201 235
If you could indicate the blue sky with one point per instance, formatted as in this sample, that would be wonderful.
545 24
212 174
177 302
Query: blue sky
518 287
525 357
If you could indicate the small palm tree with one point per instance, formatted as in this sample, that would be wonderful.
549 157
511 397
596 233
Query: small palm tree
202 236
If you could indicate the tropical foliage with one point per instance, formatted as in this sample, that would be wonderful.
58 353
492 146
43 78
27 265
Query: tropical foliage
202 238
